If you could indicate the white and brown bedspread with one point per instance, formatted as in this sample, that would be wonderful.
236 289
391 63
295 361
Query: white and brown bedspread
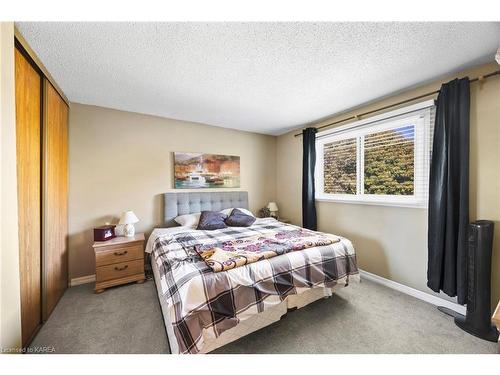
203 303
227 254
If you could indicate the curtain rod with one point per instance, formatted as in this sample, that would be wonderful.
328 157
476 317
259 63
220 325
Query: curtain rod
357 117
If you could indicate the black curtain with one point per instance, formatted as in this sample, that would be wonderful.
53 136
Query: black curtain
449 192
308 164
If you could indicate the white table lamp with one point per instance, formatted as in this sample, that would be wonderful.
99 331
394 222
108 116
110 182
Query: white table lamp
273 207
129 219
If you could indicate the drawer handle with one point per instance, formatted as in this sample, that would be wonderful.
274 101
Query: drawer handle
122 253
121 268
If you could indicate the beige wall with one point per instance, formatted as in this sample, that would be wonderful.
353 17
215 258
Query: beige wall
10 301
122 160
392 241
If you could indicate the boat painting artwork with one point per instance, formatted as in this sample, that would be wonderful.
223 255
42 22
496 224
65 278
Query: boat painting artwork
197 170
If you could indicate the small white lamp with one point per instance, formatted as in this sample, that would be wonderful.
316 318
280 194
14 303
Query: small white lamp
129 219
273 207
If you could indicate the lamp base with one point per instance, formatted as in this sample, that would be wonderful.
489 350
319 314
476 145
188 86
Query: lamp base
129 230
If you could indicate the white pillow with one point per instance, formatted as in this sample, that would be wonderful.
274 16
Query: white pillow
228 211
190 220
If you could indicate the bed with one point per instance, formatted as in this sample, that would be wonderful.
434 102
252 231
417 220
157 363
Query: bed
204 310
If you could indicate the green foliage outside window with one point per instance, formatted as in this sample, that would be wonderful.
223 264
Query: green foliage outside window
388 163
340 167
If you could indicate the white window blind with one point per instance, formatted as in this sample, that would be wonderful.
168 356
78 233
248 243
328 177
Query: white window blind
389 162
340 162
382 160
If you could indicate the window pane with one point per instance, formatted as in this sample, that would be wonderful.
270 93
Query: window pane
389 162
340 167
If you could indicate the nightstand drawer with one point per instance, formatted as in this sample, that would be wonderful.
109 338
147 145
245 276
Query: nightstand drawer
119 270
119 261
119 253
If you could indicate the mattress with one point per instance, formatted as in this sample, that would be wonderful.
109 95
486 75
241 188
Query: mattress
204 309
246 327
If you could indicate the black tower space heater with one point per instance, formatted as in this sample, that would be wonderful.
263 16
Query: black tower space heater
477 320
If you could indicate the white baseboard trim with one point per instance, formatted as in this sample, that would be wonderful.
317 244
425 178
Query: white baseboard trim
437 301
82 280
434 300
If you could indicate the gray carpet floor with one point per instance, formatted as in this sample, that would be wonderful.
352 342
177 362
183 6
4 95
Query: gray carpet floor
362 318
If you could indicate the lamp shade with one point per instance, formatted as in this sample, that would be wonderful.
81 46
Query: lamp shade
272 206
128 217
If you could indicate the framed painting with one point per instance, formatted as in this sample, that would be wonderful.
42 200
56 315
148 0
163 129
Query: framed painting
198 170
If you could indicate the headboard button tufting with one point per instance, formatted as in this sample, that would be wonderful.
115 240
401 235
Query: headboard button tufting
182 203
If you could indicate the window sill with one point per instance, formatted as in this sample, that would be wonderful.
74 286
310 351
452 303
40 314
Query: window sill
373 203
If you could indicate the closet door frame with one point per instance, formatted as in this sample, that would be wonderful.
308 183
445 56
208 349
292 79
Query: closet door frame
46 79
23 45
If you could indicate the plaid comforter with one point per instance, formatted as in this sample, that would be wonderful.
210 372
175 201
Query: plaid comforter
203 303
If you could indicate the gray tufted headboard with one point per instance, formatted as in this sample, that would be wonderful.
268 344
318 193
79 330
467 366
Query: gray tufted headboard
193 202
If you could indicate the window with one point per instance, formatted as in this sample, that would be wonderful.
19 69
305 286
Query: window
380 160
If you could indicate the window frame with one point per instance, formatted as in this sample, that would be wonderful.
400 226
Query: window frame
419 114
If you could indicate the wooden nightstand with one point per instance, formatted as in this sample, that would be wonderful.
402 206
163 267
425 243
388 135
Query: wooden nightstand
119 261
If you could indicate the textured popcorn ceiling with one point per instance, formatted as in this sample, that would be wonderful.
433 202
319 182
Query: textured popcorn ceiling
260 77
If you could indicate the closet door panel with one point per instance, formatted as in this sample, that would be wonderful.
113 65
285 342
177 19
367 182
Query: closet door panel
55 212
28 131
